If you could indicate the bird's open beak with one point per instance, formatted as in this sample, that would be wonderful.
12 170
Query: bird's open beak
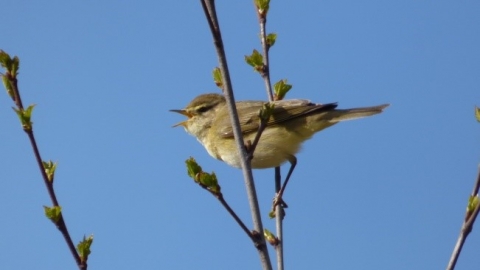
183 112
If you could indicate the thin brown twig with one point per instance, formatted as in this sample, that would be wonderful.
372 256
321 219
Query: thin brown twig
17 99
253 146
467 226
60 224
279 211
262 19
279 214
210 14
237 219
229 209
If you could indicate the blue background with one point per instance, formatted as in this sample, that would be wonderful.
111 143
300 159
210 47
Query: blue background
386 192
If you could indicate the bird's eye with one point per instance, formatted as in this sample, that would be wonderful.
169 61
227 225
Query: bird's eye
203 109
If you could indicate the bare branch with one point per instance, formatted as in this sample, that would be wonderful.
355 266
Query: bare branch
210 13
467 226
279 211
59 221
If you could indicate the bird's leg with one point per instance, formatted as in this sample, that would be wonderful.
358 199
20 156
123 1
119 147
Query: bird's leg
278 197
248 147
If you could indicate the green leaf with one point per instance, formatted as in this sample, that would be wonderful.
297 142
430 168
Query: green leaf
281 88
270 237
477 113
8 86
271 38
11 65
473 201
192 167
255 60
262 6
25 116
5 60
53 213
15 65
217 77
49 167
266 111
208 180
7 63
83 248
28 111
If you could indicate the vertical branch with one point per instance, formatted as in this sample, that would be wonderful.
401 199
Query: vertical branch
279 214
262 18
262 8
210 13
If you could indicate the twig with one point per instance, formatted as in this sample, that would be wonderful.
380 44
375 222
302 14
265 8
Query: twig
253 146
229 209
210 14
467 226
60 223
279 211
262 19
279 214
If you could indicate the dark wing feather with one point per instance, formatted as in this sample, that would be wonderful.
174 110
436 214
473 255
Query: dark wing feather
284 110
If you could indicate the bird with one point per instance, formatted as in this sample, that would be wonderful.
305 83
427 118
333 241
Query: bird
292 121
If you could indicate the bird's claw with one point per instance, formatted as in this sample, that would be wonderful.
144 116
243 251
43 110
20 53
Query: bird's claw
278 200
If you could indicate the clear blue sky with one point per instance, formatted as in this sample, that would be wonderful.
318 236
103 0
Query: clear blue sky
387 192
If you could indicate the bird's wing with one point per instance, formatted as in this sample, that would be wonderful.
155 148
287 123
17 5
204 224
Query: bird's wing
284 110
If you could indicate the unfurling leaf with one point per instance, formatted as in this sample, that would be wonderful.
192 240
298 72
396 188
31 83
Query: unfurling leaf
255 60
10 64
280 89
271 38
473 202
192 167
206 180
217 77
4 59
53 213
15 66
49 167
9 78
25 116
270 237
8 86
209 181
262 6
83 248
266 111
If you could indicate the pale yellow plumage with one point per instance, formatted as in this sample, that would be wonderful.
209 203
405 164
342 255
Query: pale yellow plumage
292 122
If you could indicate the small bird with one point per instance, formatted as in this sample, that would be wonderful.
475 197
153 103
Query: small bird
291 123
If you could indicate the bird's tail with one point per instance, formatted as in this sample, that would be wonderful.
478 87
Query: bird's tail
355 113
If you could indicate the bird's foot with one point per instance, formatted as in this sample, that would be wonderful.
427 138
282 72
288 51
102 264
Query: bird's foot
278 200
